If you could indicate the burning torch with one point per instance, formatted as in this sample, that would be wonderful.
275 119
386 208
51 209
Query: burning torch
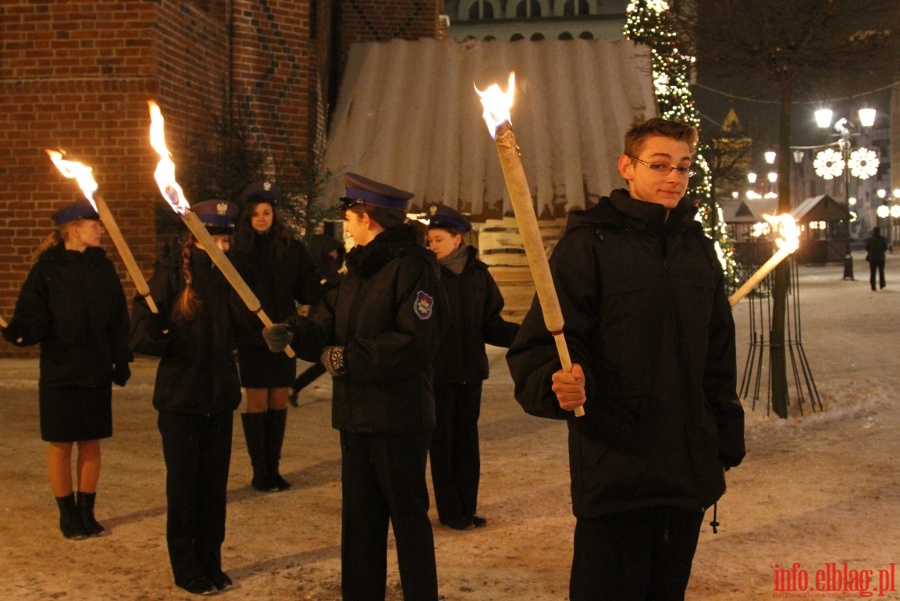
787 242
173 194
82 174
496 116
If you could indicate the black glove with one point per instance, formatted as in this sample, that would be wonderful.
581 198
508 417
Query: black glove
11 335
333 360
121 373
157 325
277 337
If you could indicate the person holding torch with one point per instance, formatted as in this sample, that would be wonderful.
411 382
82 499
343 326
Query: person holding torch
378 334
651 338
196 392
73 305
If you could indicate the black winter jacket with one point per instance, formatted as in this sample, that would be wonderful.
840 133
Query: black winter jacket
278 282
390 314
475 306
72 303
647 318
197 373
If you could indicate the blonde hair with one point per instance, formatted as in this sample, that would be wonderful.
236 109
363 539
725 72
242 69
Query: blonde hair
59 235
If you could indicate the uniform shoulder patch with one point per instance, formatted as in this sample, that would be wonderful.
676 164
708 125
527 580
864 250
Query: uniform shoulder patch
424 305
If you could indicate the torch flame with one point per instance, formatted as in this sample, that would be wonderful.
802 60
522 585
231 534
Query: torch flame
497 104
787 229
80 172
165 169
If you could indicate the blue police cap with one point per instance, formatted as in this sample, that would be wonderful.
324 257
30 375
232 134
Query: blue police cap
364 190
442 216
217 215
261 192
80 209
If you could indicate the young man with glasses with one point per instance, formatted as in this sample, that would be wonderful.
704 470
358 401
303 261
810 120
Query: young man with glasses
651 337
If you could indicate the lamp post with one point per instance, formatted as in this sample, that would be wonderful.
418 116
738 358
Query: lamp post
861 163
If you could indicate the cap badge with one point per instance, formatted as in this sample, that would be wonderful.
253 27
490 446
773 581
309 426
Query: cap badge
222 208
267 186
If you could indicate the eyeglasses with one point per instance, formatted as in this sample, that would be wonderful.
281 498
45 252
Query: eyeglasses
665 170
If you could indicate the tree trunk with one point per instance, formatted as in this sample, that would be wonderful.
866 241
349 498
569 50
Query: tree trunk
777 354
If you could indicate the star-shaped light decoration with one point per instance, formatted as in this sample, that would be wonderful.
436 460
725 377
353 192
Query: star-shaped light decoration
828 163
863 163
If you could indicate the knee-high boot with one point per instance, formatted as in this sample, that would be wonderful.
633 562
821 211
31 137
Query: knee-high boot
276 420
69 518
86 509
255 435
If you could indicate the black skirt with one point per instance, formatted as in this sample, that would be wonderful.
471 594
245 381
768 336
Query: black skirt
75 413
261 368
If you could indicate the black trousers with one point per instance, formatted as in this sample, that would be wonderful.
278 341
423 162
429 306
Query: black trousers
879 267
383 480
455 457
639 555
197 450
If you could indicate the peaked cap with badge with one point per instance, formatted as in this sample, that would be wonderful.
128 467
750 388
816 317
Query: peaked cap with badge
442 216
362 190
217 215
80 209
261 192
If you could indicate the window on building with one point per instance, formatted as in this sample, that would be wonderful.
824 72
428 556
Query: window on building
585 35
576 7
565 36
516 37
537 37
481 9
528 8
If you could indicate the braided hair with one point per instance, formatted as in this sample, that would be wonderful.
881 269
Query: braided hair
187 304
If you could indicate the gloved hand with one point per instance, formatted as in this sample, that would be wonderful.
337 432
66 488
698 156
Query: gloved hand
157 325
277 337
11 335
121 374
333 360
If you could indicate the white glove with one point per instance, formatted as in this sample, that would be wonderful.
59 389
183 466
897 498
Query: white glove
277 337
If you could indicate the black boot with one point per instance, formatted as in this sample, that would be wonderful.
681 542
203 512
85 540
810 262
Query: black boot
69 518
86 509
276 420
255 435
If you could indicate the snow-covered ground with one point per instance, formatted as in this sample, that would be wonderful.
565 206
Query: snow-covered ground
817 495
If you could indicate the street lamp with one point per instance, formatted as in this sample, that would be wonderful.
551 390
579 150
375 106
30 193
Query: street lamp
860 162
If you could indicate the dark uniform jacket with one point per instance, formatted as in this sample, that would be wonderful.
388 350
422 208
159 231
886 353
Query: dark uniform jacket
390 315
647 318
198 372
475 306
278 282
876 248
72 303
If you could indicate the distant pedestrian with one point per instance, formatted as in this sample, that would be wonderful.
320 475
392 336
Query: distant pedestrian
72 304
461 366
876 246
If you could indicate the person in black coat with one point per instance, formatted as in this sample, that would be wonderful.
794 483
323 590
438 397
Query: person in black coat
72 304
377 334
196 392
281 273
651 337
876 249
328 255
461 367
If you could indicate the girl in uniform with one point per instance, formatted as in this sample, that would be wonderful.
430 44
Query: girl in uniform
72 304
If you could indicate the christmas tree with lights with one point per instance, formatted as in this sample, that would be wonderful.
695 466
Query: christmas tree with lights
648 23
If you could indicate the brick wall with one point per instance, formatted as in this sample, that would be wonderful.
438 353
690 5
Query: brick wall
380 21
79 78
